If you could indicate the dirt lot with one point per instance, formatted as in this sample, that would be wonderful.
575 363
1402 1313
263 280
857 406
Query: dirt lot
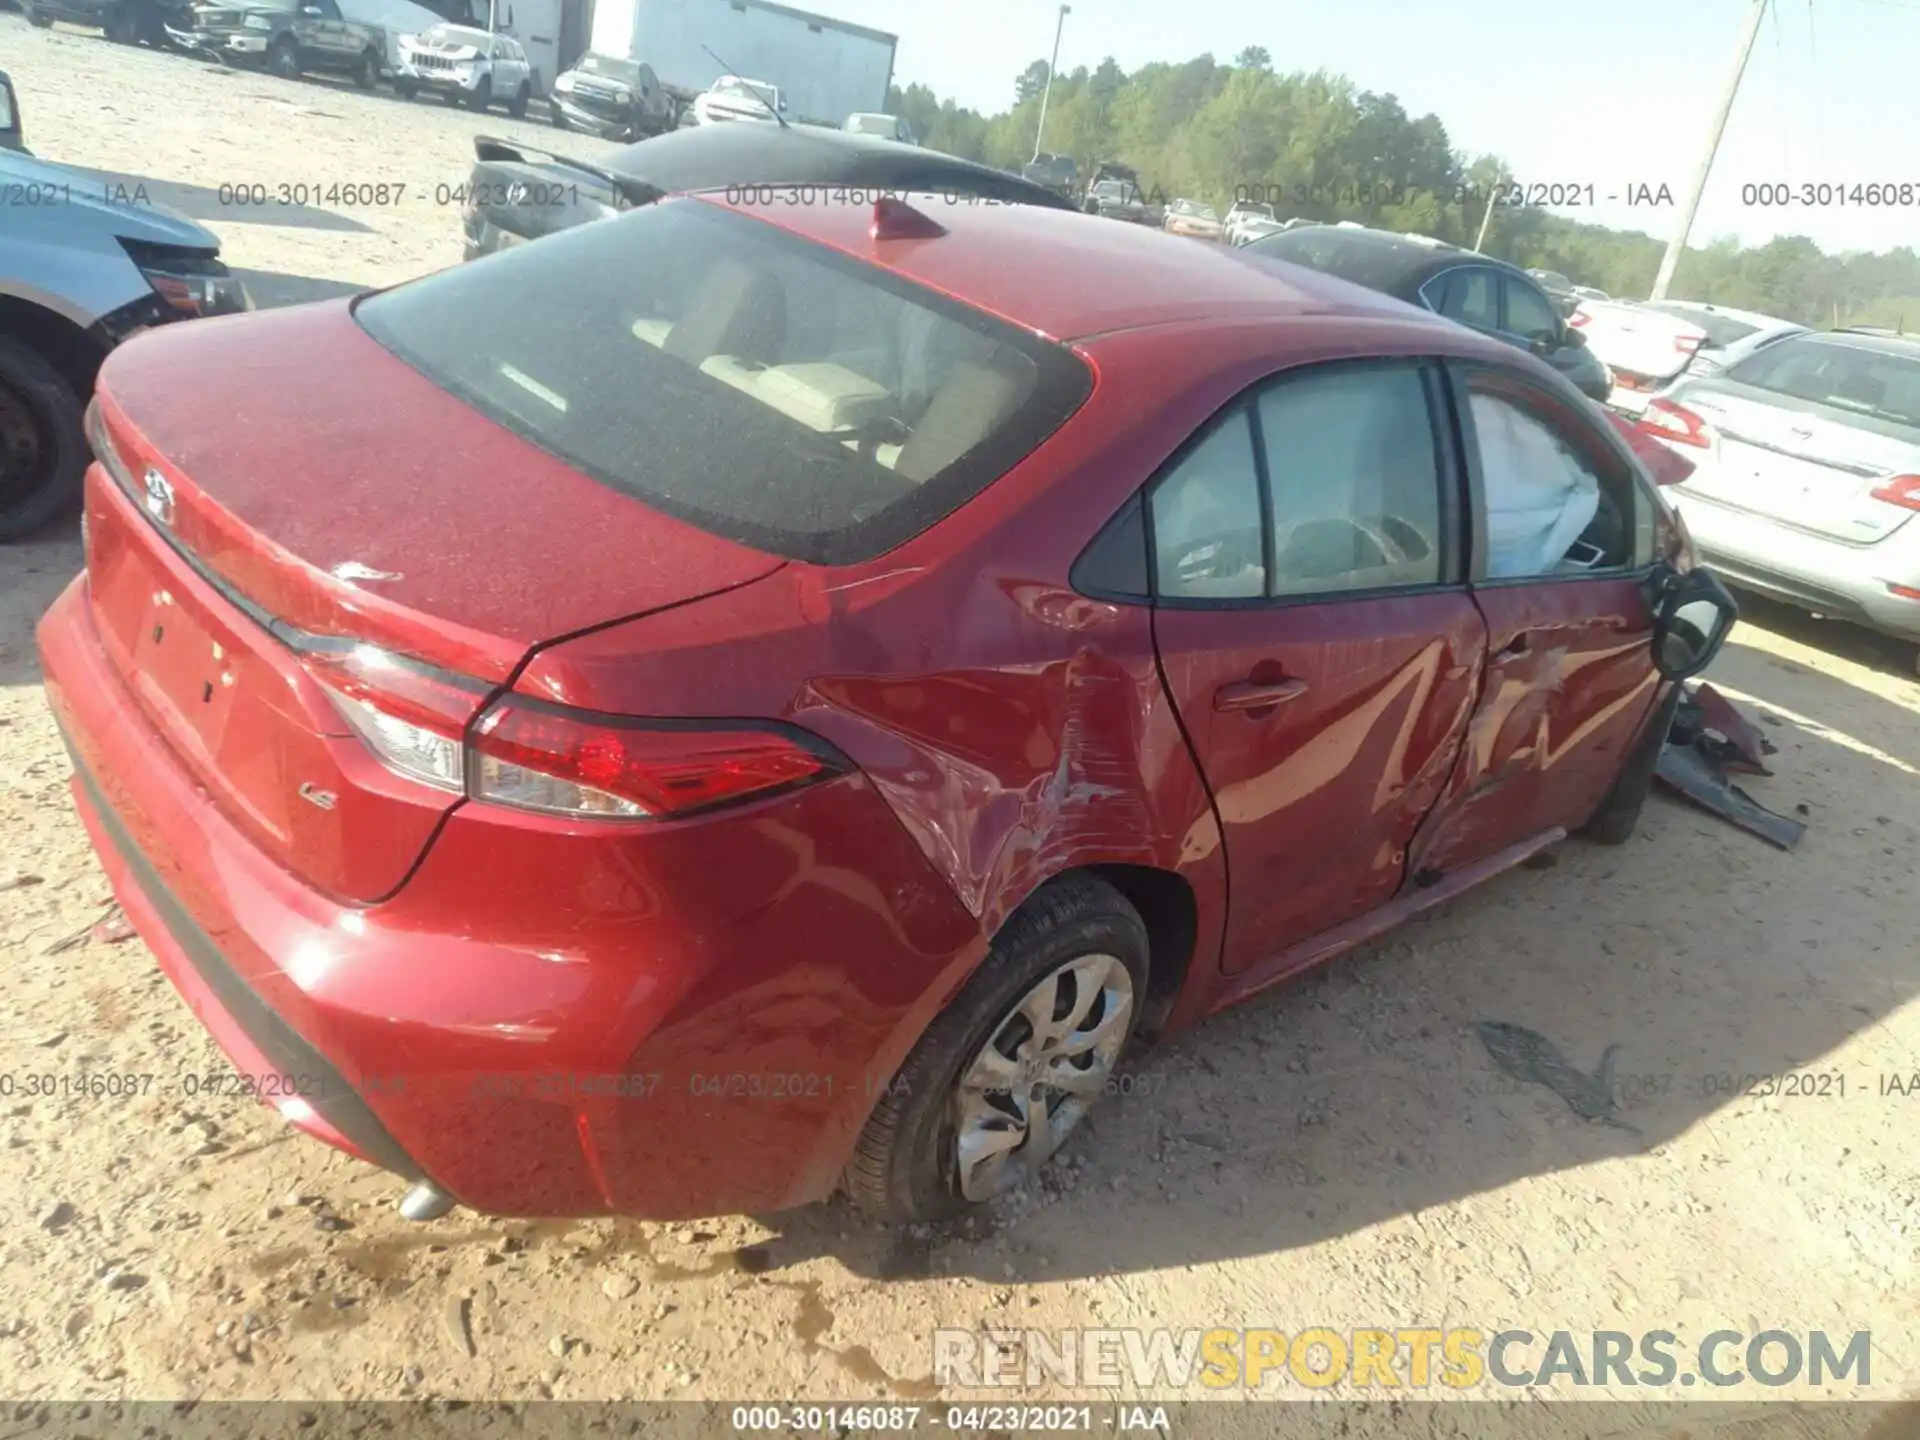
1338 1154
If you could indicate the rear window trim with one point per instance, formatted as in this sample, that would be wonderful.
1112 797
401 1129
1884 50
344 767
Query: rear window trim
1065 383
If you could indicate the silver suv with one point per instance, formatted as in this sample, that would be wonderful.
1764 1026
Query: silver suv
86 263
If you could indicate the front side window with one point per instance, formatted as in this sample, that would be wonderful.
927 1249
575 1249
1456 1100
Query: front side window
1558 501
1355 484
733 375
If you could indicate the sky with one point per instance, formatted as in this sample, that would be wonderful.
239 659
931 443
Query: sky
1615 95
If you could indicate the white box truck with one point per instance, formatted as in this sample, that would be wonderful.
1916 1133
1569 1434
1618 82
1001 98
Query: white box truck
828 69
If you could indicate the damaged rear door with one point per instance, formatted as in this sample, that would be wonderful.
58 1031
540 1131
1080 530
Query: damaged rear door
1563 546
1316 634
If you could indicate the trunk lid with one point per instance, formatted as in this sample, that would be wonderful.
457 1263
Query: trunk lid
1808 466
325 491
1639 345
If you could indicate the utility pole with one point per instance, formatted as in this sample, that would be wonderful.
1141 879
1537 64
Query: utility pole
1480 240
1045 95
1679 242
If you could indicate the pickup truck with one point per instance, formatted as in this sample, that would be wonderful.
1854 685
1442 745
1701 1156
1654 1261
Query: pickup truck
287 37
127 22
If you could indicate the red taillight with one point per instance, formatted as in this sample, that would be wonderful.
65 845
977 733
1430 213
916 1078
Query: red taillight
533 755
409 715
1578 319
1901 490
1675 423
536 756
1687 344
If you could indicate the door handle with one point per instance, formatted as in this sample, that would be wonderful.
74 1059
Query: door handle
1249 695
1514 648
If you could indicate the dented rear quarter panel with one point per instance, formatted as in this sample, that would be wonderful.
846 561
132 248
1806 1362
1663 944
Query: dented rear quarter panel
1016 728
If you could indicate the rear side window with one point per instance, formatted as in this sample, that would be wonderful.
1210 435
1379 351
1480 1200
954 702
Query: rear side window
1469 295
1353 498
734 376
1854 378
1206 519
1356 488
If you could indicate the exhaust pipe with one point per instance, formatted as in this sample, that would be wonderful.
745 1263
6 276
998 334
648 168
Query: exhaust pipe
426 1201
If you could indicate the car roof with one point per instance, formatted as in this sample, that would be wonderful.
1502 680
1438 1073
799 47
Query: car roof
716 156
1906 347
1072 276
1400 261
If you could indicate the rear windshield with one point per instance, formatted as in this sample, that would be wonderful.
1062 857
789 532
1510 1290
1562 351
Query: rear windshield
612 67
1721 330
751 383
1324 248
1845 377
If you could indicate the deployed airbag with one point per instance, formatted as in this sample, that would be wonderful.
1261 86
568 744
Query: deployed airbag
1540 497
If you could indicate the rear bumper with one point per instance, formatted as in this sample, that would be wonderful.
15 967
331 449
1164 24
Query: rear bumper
542 1021
1847 582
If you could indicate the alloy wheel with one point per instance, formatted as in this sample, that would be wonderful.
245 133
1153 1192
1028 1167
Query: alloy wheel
1040 1071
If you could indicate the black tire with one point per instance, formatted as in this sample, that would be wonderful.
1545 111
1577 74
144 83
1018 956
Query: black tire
283 58
517 107
1614 821
366 70
38 18
554 117
43 449
482 95
901 1170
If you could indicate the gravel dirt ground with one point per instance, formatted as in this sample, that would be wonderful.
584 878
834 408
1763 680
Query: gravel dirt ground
1340 1153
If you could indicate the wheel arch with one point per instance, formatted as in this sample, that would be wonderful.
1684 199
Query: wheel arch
69 347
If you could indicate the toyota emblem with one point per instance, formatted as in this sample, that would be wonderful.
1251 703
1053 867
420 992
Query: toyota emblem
159 497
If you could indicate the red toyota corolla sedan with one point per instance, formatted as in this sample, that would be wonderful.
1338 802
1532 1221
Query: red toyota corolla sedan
747 699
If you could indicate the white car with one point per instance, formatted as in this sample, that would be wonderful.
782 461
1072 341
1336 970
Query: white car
1653 345
1253 228
732 97
465 66
886 127
1246 213
1806 479
1732 335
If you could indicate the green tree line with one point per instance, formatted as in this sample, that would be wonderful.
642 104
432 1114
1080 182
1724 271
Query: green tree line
1321 147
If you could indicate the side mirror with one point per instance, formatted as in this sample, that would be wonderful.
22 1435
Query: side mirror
1695 616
